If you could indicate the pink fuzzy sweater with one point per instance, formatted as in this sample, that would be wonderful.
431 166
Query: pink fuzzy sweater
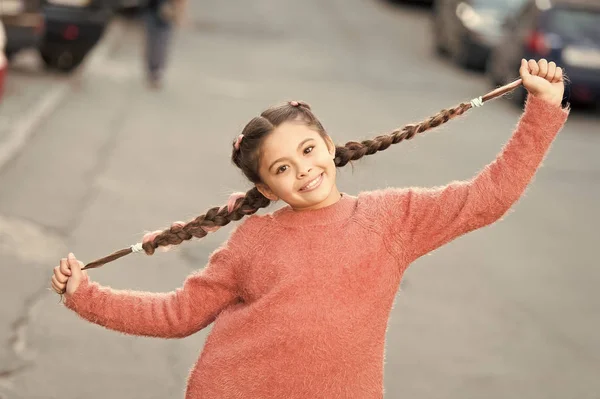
300 300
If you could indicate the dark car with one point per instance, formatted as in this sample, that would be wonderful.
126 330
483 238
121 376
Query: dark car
564 31
73 27
468 29
3 66
24 24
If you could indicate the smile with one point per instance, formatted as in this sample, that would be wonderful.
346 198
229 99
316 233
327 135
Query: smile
316 182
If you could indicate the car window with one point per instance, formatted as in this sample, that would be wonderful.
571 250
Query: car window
507 6
575 24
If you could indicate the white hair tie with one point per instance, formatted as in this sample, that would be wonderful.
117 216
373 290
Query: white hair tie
137 247
477 102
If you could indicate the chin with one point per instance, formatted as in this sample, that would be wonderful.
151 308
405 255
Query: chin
315 197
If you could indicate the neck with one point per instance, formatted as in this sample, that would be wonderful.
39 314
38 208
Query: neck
333 214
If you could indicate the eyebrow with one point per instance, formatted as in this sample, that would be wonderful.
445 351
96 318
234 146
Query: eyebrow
299 146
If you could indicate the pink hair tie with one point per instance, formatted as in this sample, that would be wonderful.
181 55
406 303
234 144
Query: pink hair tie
237 143
294 103
232 200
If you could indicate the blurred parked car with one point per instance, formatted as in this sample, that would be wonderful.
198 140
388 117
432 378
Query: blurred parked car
468 29
23 22
3 62
130 5
564 31
422 2
73 27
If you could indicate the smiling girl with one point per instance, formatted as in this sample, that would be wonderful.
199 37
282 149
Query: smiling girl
300 298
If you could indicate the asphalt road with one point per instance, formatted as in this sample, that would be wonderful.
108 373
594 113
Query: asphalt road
511 310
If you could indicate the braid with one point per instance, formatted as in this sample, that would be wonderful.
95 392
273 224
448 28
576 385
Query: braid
250 202
212 220
354 150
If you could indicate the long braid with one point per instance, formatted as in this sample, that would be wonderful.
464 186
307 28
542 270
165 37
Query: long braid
354 150
253 200
213 219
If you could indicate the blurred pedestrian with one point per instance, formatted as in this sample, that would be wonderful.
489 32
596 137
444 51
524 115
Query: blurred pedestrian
160 19
301 297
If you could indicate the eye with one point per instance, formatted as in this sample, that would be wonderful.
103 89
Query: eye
281 169
309 149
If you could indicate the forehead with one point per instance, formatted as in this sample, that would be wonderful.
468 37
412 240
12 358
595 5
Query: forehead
285 138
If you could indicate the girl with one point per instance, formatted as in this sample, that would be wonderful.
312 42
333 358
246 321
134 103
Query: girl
301 297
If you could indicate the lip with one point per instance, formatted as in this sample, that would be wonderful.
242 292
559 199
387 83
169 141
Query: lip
320 180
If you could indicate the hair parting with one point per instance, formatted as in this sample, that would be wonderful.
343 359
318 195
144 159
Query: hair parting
248 203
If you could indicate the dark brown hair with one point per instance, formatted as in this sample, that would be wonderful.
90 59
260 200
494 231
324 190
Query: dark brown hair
246 156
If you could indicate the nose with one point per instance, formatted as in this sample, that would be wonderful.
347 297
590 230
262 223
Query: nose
304 171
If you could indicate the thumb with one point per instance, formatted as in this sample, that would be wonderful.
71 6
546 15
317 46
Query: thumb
77 275
524 70
75 267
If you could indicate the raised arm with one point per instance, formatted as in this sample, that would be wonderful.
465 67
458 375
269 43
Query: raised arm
174 314
422 220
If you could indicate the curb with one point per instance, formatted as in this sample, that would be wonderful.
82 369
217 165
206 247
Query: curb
23 128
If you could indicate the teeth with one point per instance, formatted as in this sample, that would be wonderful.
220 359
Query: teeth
312 183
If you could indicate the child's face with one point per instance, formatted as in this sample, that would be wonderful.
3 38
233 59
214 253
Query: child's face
297 167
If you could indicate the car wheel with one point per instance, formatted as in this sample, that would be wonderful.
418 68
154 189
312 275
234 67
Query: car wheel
440 47
491 71
48 59
460 55
68 61
63 61
10 55
439 38
518 96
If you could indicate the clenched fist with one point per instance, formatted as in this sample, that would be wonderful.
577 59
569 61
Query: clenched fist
543 79
68 275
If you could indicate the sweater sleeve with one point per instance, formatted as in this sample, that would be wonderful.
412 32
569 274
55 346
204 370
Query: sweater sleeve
175 314
421 220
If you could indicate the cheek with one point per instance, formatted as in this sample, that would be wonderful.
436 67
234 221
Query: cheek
281 185
327 161
286 184
332 172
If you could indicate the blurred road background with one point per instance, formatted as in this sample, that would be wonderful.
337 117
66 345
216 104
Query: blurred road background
91 160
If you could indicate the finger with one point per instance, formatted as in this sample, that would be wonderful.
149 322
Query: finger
543 68
533 67
524 69
57 289
58 284
558 75
54 287
59 276
64 267
551 71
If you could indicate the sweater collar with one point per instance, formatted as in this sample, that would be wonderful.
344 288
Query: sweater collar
340 211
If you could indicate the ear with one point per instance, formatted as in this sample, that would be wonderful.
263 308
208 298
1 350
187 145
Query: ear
266 191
